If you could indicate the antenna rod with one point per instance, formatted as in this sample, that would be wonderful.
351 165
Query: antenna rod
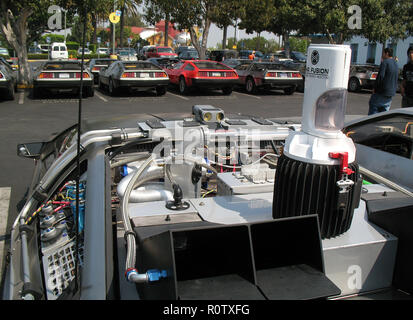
79 120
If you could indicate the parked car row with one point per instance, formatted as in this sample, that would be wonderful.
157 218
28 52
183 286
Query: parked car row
8 80
158 73
115 75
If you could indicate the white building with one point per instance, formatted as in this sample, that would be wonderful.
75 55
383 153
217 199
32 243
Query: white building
364 51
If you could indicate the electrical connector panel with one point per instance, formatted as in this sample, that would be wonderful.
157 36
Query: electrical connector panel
251 179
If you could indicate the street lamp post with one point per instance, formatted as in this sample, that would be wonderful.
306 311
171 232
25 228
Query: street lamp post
113 24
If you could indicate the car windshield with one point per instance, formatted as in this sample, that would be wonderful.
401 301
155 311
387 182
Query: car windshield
140 66
391 134
103 62
124 53
271 66
211 65
191 53
165 50
62 66
299 55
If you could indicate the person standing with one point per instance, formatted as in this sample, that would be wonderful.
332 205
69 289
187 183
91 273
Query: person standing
386 84
406 88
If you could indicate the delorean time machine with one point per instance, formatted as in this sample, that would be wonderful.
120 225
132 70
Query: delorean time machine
212 206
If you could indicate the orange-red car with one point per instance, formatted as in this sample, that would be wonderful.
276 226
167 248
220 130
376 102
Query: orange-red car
202 73
158 52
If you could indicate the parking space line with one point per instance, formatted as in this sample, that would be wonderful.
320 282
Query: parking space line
5 193
248 95
21 97
175 95
101 97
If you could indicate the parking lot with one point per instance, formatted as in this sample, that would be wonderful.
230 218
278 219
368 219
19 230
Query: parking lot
28 120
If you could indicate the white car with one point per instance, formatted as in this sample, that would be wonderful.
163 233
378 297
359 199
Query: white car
59 51
103 51
127 56
4 51
86 50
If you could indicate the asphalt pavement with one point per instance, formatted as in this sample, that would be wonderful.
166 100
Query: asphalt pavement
29 120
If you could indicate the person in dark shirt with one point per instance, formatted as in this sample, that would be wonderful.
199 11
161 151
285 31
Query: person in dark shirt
386 84
406 88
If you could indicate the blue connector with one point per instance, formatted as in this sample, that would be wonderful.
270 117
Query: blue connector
124 171
156 275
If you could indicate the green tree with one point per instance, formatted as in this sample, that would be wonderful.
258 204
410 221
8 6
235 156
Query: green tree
288 18
127 8
257 17
21 22
226 14
385 19
156 10
193 15
135 21
77 29
380 20
100 13
299 44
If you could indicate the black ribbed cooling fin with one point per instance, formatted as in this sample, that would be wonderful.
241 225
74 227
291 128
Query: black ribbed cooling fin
304 188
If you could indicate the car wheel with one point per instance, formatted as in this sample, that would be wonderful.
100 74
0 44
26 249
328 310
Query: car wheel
88 92
353 85
10 93
100 85
112 89
160 91
250 86
227 91
289 91
183 88
36 93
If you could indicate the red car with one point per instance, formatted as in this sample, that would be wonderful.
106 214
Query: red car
160 52
202 73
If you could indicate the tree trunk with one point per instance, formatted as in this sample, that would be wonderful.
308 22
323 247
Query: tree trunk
258 40
224 38
165 42
15 33
195 42
94 24
201 48
330 37
286 37
121 25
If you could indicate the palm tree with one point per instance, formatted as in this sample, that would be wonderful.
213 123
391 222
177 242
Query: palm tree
129 8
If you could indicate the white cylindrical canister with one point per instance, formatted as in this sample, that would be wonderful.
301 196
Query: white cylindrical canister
325 95
324 106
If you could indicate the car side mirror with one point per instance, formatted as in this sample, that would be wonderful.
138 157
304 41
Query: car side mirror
30 150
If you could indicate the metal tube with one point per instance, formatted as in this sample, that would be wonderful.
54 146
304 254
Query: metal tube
25 256
150 174
387 182
131 251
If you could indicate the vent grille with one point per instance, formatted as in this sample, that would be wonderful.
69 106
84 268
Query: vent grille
304 188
